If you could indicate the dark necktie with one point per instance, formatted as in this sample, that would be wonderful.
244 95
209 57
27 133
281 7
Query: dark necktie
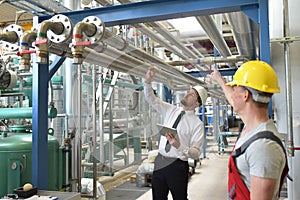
168 145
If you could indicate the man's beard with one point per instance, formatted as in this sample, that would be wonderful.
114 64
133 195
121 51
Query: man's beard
183 102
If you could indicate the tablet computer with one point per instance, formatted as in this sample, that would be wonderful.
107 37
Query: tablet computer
163 130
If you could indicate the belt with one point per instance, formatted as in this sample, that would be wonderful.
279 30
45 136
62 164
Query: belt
163 161
168 158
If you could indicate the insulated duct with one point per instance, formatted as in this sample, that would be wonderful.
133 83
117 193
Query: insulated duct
241 29
209 26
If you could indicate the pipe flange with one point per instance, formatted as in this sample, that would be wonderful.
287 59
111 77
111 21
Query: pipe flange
19 31
100 29
67 32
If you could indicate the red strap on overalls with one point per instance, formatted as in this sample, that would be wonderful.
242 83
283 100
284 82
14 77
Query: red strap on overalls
237 189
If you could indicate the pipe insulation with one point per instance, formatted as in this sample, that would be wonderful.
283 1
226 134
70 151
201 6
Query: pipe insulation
241 30
209 25
120 44
167 35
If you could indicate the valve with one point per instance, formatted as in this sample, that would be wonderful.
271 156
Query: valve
87 32
57 29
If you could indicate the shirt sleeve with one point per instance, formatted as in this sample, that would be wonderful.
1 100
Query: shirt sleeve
156 103
195 148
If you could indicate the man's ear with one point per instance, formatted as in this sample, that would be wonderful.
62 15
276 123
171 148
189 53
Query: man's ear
247 95
197 104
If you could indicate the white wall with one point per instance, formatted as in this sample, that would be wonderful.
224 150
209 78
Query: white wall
277 59
279 100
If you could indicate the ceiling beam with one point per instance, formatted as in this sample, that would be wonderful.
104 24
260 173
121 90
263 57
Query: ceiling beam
149 11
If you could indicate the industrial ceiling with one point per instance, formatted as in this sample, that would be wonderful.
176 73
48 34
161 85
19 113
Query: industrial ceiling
238 37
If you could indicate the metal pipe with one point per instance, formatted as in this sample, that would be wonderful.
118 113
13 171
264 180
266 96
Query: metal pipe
120 44
41 41
25 42
159 28
286 45
116 64
122 120
79 122
143 28
241 30
139 65
90 29
207 61
9 36
83 27
131 50
23 113
56 27
103 2
111 137
101 117
214 34
167 35
40 7
94 73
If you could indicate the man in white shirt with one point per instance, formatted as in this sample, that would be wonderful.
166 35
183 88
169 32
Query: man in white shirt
171 166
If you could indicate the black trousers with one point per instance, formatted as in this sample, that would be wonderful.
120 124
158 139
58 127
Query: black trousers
170 174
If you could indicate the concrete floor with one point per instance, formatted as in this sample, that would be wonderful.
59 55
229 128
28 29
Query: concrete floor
208 183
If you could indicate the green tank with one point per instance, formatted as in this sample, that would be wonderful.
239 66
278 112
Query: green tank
16 162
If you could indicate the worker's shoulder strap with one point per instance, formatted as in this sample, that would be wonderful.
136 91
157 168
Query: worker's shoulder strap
263 134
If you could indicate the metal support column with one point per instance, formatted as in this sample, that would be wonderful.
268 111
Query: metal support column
40 126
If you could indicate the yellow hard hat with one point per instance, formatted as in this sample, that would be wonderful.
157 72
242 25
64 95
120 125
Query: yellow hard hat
258 75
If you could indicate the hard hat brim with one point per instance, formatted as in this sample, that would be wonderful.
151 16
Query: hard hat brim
232 83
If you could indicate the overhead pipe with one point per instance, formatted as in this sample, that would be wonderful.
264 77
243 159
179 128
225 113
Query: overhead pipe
25 52
94 29
207 61
143 28
85 33
176 83
196 50
58 28
241 30
159 28
139 65
107 61
41 42
103 2
209 26
10 37
121 44
40 7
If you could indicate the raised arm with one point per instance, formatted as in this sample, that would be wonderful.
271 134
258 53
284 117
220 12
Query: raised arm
216 76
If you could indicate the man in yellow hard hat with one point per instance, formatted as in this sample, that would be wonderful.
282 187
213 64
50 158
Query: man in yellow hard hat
257 164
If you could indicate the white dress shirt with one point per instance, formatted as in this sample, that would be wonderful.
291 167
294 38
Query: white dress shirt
190 128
